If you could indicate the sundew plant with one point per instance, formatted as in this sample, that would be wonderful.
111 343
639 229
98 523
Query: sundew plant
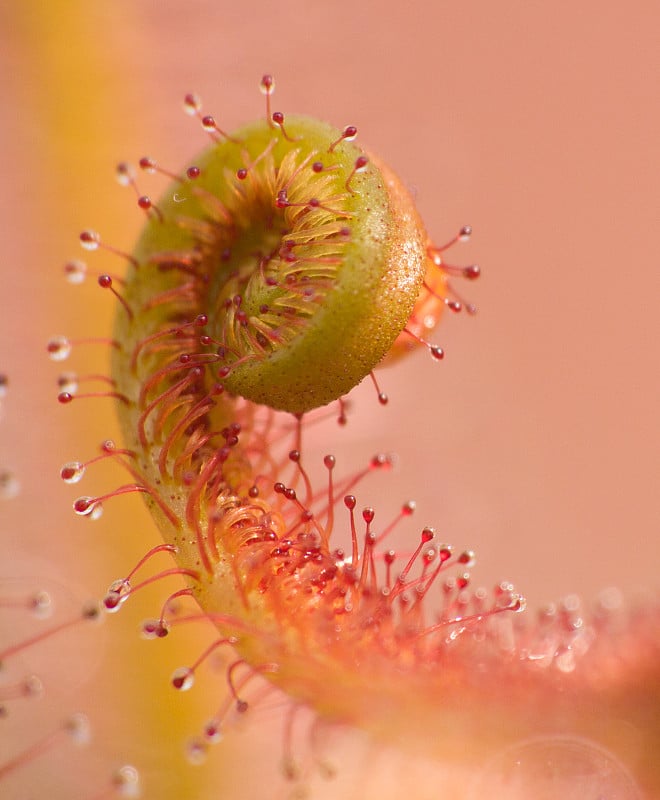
279 265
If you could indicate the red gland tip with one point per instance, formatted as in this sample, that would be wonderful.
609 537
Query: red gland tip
267 84
427 535
349 133
278 118
154 629
147 164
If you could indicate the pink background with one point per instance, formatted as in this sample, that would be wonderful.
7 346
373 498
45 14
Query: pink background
536 441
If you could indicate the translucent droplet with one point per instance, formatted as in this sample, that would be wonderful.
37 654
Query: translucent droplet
192 104
183 679
59 348
208 123
154 629
78 728
88 507
75 271
468 558
32 686
126 781
125 174
67 382
113 601
91 610
84 506
196 751
90 240
267 84
611 599
72 472
41 604
565 660
350 133
555 768
212 732
9 485
118 593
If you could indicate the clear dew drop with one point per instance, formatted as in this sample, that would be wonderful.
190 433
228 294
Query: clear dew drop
429 322
555 768
10 486
118 593
32 686
41 604
183 679
565 660
72 471
212 732
611 599
196 751
125 174
92 611
126 781
192 104
59 348
113 601
120 586
88 507
75 271
90 240
468 558
68 382
78 728
154 629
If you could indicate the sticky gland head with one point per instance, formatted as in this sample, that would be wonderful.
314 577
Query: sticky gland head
307 265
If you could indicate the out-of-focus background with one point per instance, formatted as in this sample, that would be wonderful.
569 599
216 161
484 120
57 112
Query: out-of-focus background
535 442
